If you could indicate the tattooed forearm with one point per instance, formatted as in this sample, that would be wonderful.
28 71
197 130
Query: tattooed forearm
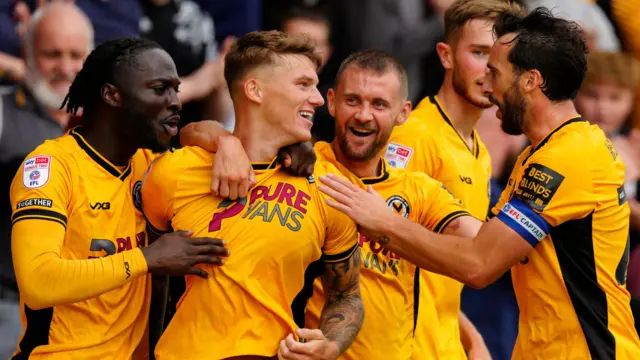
343 311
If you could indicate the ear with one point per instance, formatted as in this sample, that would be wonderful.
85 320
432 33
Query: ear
111 95
252 91
445 52
531 80
404 114
331 102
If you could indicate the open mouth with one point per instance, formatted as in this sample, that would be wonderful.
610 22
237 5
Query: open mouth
361 132
171 126
306 114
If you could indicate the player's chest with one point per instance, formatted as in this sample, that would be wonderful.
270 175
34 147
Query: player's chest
103 219
281 215
377 261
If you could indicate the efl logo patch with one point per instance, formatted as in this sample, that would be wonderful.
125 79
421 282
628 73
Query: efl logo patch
36 170
538 185
398 155
524 221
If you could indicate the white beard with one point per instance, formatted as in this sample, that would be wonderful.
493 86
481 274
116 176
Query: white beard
40 90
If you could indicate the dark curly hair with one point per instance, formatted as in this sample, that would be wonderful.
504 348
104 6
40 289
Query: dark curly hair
555 47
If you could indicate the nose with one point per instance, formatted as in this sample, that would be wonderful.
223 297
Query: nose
364 114
173 101
316 98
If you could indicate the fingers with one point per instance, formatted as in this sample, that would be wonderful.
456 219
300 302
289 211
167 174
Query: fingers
197 272
184 233
224 189
348 185
215 185
252 178
207 259
297 347
213 250
287 162
243 188
205 241
233 188
310 334
338 196
340 207
286 353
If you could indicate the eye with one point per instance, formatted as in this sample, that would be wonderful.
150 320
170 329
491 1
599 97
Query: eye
352 101
380 104
160 89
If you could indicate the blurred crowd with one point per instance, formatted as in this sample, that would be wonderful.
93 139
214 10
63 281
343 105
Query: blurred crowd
41 52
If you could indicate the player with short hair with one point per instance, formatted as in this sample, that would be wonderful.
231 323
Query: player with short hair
368 101
440 140
244 309
562 223
78 240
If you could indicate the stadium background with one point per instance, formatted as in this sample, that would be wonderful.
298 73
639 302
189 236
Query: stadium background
194 33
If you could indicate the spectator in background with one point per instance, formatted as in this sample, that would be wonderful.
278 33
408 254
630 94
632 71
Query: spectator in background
313 24
187 34
600 32
58 38
606 99
399 27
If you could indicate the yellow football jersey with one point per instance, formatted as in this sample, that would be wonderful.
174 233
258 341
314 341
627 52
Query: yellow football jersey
245 306
387 281
566 198
429 143
66 187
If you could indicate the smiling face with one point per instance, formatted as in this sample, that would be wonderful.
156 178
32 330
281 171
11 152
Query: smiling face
289 92
149 99
366 107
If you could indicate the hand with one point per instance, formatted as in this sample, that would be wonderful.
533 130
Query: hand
479 351
316 346
232 172
298 159
177 253
366 208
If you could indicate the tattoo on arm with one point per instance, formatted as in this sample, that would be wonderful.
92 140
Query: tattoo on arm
343 311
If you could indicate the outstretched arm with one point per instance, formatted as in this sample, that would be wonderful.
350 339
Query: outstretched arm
475 261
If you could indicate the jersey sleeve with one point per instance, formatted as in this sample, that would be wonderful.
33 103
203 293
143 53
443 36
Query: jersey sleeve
554 187
41 189
413 148
158 189
341 237
41 194
437 206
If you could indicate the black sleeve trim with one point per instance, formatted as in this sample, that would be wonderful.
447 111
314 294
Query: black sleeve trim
448 219
340 257
39 214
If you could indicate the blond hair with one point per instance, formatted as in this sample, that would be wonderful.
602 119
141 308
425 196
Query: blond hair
463 11
613 67
260 48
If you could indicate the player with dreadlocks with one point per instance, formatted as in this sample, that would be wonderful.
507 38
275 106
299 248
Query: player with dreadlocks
79 243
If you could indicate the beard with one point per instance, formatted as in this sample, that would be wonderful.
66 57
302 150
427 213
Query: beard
367 153
513 110
462 88
42 93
